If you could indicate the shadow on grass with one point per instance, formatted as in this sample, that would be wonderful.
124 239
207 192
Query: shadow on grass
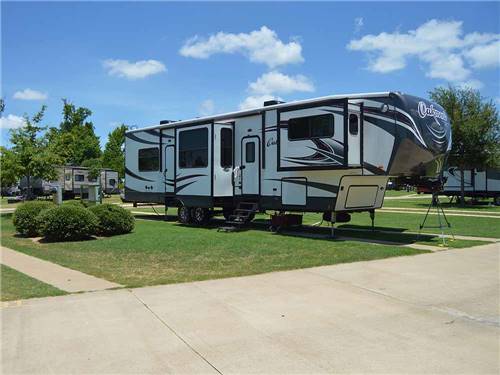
363 233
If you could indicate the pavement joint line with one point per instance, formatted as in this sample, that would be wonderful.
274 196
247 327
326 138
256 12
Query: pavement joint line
174 332
456 314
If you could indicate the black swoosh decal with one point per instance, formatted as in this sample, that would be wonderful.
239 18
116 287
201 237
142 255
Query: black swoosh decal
156 133
316 185
183 186
132 174
188 177
137 139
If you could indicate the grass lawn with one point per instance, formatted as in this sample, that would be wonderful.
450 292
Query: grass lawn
159 252
401 222
16 285
397 222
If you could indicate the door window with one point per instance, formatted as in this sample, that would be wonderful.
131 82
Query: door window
226 148
353 124
250 152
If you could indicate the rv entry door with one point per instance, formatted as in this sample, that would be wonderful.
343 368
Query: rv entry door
354 130
250 162
169 169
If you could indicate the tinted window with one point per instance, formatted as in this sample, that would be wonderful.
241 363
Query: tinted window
353 124
79 177
149 159
112 181
226 148
193 148
250 152
67 176
320 126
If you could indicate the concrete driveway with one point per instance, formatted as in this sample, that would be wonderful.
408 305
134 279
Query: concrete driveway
431 313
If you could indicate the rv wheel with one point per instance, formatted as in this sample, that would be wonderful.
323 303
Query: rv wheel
200 215
184 214
497 200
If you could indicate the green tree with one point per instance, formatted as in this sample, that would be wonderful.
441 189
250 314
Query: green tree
475 129
31 155
113 156
9 168
75 140
95 166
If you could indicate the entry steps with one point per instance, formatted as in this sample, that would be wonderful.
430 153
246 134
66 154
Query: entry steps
243 214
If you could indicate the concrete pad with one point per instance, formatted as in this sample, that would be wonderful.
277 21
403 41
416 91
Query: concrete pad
431 313
93 333
50 273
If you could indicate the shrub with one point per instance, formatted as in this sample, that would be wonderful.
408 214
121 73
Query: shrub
67 222
112 219
25 217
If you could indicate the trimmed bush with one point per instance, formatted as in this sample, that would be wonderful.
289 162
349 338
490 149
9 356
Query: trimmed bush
67 223
112 219
25 217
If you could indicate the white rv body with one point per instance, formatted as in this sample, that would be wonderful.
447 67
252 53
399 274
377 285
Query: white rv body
321 155
478 183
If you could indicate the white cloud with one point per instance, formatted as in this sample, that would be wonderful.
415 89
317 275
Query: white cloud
472 84
29 94
207 107
276 82
261 46
256 101
484 56
358 24
267 86
11 122
439 44
133 70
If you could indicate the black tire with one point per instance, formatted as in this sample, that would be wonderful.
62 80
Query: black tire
200 215
227 212
184 215
496 200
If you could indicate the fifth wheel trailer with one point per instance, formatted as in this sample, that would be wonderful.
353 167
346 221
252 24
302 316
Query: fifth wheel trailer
331 154
478 183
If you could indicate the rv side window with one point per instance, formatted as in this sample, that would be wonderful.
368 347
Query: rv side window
79 177
353 124
149 159
193 148
320 126
226 148
67 176
112 181
250 152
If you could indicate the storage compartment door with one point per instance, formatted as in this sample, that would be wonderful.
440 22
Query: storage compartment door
294 191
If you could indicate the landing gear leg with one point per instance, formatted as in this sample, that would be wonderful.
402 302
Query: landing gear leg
372 217
332 225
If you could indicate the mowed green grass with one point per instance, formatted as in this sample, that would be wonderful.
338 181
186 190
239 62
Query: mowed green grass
16 285
159 252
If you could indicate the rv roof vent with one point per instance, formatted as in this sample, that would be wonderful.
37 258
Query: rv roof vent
163 122
267 103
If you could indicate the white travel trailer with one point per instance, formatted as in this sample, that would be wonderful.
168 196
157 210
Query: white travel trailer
332 154
71 179
478 183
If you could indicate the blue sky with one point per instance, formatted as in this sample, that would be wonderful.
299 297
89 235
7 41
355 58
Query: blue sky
138 63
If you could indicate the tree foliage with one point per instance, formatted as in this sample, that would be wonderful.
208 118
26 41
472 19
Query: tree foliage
9 168
475 127
113 156
30 154
475 130
75 140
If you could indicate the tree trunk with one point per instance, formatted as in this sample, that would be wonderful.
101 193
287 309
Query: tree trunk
462 187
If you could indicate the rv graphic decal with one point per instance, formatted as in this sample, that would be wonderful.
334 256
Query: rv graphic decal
325 154
132 174
424 111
